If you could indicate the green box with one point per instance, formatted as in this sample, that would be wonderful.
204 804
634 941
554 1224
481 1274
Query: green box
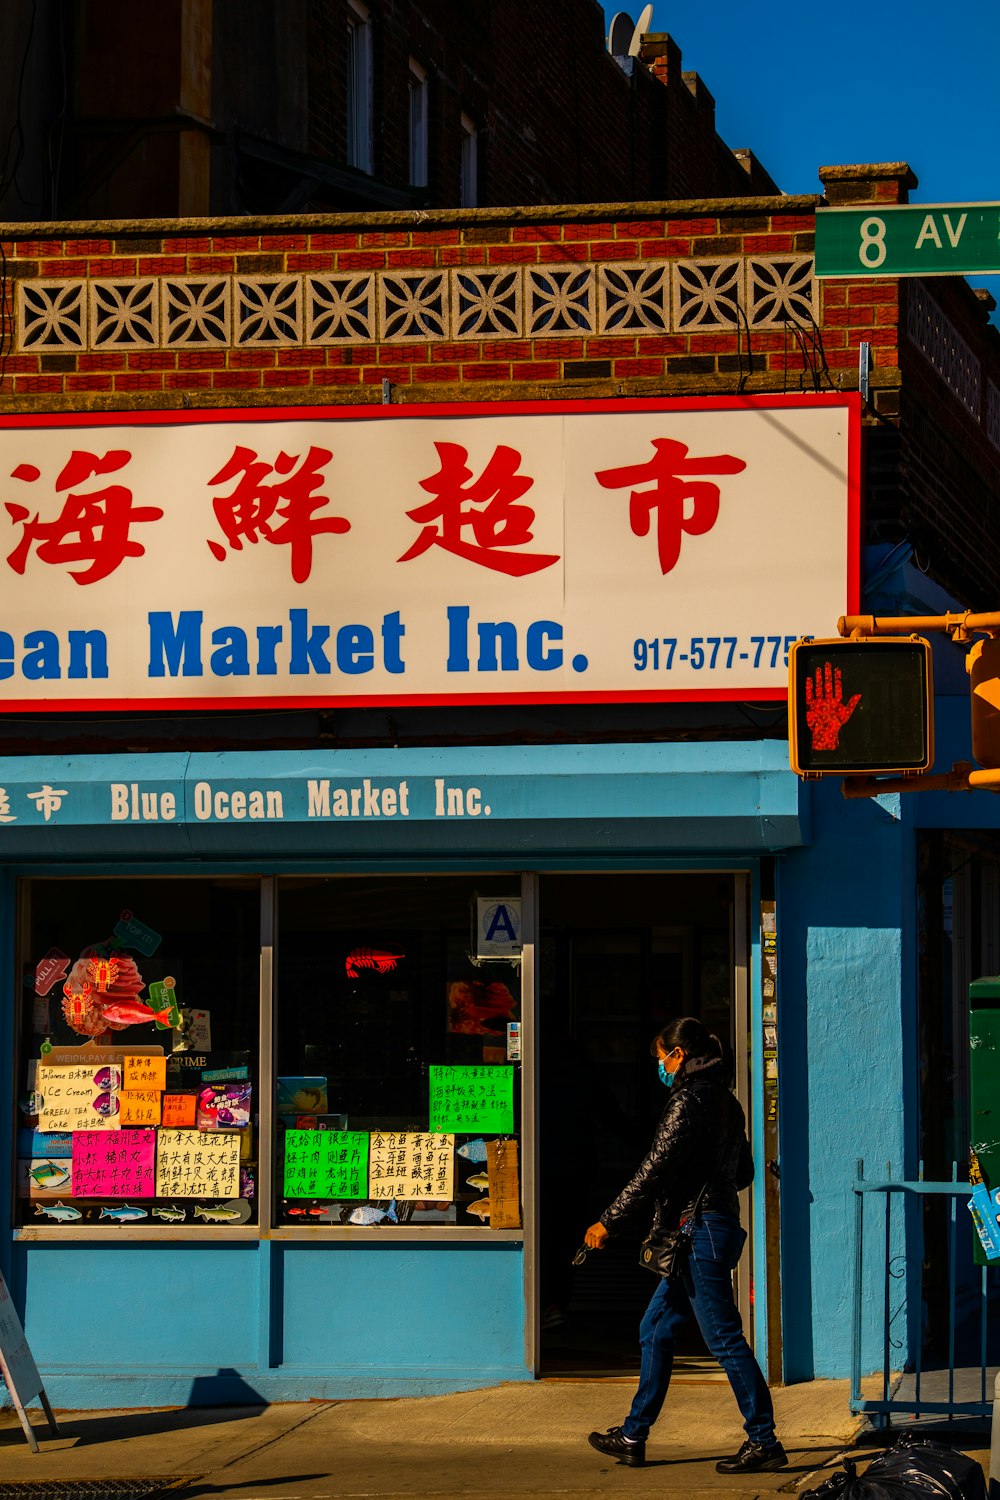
984 1073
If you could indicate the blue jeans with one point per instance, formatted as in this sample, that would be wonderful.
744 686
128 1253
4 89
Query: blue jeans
706 1289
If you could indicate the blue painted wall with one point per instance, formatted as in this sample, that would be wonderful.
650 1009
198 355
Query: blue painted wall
847 1026
196 1324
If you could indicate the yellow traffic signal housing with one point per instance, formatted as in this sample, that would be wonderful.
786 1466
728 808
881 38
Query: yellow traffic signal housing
983 667
859 707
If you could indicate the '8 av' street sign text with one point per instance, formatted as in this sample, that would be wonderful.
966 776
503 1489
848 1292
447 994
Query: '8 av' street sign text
943 239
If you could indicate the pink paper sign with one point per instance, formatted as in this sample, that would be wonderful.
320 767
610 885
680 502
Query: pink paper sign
114 1164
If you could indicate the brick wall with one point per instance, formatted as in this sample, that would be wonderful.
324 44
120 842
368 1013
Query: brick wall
687 298
503 305
249 99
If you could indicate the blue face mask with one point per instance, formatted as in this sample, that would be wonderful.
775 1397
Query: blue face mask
667 1079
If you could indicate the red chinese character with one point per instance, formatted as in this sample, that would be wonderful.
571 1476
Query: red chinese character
92 527
668 473
499 524
247 512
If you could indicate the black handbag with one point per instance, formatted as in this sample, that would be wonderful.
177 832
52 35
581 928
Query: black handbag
666 1254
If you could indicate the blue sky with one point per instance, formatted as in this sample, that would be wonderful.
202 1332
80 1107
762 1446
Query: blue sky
806 85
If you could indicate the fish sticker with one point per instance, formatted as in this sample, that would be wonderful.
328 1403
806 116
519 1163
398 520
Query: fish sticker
223 1213
382 960
50 1175
481 1180
123 1213
310 1213
473 1151
367 1214
107 1104
122 1013
171 1215
108 1078
480 1209
64 1213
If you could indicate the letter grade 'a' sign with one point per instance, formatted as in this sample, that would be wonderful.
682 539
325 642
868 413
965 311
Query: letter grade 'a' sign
932 239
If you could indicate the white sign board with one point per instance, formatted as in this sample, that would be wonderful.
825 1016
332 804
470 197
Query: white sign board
18 1366
498 927
551 552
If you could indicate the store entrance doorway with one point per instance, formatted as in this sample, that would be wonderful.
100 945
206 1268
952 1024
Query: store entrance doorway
619 956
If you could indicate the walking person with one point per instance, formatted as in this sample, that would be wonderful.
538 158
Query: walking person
698 1161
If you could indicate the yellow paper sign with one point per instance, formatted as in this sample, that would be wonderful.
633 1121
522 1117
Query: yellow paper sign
145 1072
140 1106
81 1097
411 1164
197 1164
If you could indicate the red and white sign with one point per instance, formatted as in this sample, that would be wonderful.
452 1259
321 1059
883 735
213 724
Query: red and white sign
551 551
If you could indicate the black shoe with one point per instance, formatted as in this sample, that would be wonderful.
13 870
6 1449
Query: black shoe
753 1458
616 1445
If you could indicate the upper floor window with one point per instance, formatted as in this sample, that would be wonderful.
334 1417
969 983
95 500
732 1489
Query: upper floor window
359 87
469 192
418 125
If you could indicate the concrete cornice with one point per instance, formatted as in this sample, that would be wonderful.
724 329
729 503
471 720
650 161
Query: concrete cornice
412 219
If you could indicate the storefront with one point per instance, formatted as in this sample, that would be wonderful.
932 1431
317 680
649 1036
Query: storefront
333 995
287 1029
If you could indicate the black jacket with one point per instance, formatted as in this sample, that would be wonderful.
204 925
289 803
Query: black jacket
701 1138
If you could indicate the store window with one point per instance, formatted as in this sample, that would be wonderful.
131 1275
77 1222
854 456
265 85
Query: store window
398 1047
418 102
469 180
359 87
138 1048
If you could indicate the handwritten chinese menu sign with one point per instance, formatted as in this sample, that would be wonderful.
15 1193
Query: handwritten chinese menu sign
193 1164
410 1164
140 1107
326 1164
505 1193
78 1097
389 574
472 1098
180 1110
144 1072
115 1164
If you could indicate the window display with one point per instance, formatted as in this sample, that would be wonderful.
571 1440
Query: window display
395 1098
399 1055
138 1043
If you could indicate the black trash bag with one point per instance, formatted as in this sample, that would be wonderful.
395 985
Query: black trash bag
914 1467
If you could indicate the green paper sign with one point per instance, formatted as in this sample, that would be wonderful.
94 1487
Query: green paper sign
326 1164
472 1098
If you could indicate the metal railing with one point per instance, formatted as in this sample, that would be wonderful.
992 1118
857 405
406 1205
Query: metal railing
909 1386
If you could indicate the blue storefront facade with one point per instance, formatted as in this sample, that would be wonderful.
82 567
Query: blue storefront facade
338 1311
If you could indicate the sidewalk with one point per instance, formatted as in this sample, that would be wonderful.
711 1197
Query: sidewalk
510 1440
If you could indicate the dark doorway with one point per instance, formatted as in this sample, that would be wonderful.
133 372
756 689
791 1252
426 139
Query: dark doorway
620 956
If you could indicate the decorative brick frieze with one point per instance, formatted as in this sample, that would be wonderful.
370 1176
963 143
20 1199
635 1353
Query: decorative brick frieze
429 304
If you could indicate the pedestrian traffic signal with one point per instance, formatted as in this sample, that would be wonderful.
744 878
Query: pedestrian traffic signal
983 667
857 707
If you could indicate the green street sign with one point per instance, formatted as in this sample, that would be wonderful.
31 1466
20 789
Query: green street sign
932 239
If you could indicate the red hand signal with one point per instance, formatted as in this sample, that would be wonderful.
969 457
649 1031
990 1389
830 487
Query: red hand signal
826 711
